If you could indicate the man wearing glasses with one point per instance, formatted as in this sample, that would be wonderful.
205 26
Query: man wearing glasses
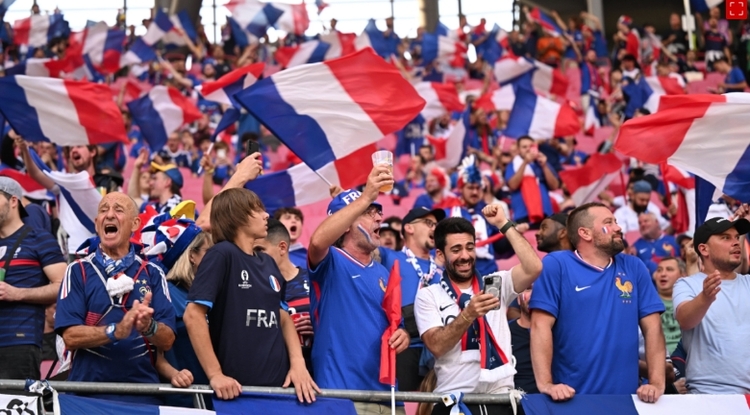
418 269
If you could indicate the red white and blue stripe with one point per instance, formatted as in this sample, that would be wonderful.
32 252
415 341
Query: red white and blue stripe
311 51
546 21
181 21
159 27
441 47
327 111
102 45
440 99
341 44
37 67
223 89
4 5
31 188
161 112
539 117
67 113
545 78
688 127
139 52
585 183
495 46
253 17
501 99
373 38
38 30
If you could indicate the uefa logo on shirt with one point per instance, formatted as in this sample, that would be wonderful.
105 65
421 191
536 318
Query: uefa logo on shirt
274 283
245 277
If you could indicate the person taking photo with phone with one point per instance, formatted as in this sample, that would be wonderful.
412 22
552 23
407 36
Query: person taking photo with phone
466 328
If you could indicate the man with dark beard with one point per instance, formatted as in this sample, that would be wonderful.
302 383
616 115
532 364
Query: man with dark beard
712 309
593 299
627 215
463 323
552 235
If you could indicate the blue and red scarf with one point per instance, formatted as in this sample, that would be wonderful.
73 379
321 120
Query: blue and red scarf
478 336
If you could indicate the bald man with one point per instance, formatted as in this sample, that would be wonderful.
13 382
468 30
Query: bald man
114 309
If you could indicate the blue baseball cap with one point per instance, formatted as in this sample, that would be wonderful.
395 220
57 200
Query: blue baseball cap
171 170
344 198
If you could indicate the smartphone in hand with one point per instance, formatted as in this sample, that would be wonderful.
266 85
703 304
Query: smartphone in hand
251 147
492 285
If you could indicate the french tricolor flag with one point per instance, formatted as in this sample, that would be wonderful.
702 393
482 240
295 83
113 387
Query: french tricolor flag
223 89
38 67
539 117
373 38
308 52
495 46
358 100
680 177
501 99
441 47
591 119
586 182
449 149
254 17
546 21
161 112
320 4
341 44
180 21
103 46
662 85
440 98
31 188
37 30
159 27
688 127
4 5
139 52
545 78
67 113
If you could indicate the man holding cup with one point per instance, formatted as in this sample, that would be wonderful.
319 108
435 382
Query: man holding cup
348 290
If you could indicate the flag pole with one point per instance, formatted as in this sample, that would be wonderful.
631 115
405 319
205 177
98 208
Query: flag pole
322 178
210 149
393 399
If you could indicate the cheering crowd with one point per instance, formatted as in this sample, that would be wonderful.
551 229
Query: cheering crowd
629 297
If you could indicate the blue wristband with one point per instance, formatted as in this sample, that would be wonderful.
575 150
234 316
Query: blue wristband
110 332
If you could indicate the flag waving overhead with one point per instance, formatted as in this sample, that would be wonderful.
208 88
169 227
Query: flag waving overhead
311 51
223 89
539 117
586 182
64 112
326 111
684 134
440 99
160 113
392 307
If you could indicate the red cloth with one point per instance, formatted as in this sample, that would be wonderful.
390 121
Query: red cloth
532 198
392 307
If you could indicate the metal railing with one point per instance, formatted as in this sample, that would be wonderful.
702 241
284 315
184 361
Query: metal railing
165 388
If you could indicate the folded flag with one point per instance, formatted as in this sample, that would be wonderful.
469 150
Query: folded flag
440 99
161 112
300 186
373 38
311 51
586 182
703 6
392 307
359 98
498 100
544 20
180 22
223 89
38 30
255 403
540 404
341 44
539 117
687 127
67 113
449 149
70 404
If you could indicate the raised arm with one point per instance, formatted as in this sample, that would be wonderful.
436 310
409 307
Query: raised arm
690 313
250 168
336 225
34 171
134 185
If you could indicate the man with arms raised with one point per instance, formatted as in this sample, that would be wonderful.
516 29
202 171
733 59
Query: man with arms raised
588 303
348 291
466 327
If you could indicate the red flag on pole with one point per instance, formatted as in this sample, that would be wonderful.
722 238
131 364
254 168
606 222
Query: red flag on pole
392 307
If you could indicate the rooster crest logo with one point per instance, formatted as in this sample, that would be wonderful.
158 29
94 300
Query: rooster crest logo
625 288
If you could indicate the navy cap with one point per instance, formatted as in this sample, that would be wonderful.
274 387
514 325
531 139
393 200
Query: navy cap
343 200
642 186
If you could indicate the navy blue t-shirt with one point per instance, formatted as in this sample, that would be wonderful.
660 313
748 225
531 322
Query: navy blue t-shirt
735 76
38 218
244 296
297 292
23 323
715 41
84 301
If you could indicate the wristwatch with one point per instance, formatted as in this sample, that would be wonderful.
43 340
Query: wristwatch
508 225
110 332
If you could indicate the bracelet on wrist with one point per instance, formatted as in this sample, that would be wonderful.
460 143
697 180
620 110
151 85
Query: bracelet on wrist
151 331
466 319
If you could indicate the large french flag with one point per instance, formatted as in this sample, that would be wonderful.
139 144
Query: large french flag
546 21
103 46
223 89
703 6
160 112
441 47
539 117
501 99
38 67
181 21
293 19
662 85
67 113
687 127
312 51
586 182
539 404
440 98
37 30
358 100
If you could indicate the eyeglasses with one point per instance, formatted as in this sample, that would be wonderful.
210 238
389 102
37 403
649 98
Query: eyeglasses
430 223
373 211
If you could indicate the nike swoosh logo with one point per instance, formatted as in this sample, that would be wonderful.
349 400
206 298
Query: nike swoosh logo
444 307
642 251
582 288
355 276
